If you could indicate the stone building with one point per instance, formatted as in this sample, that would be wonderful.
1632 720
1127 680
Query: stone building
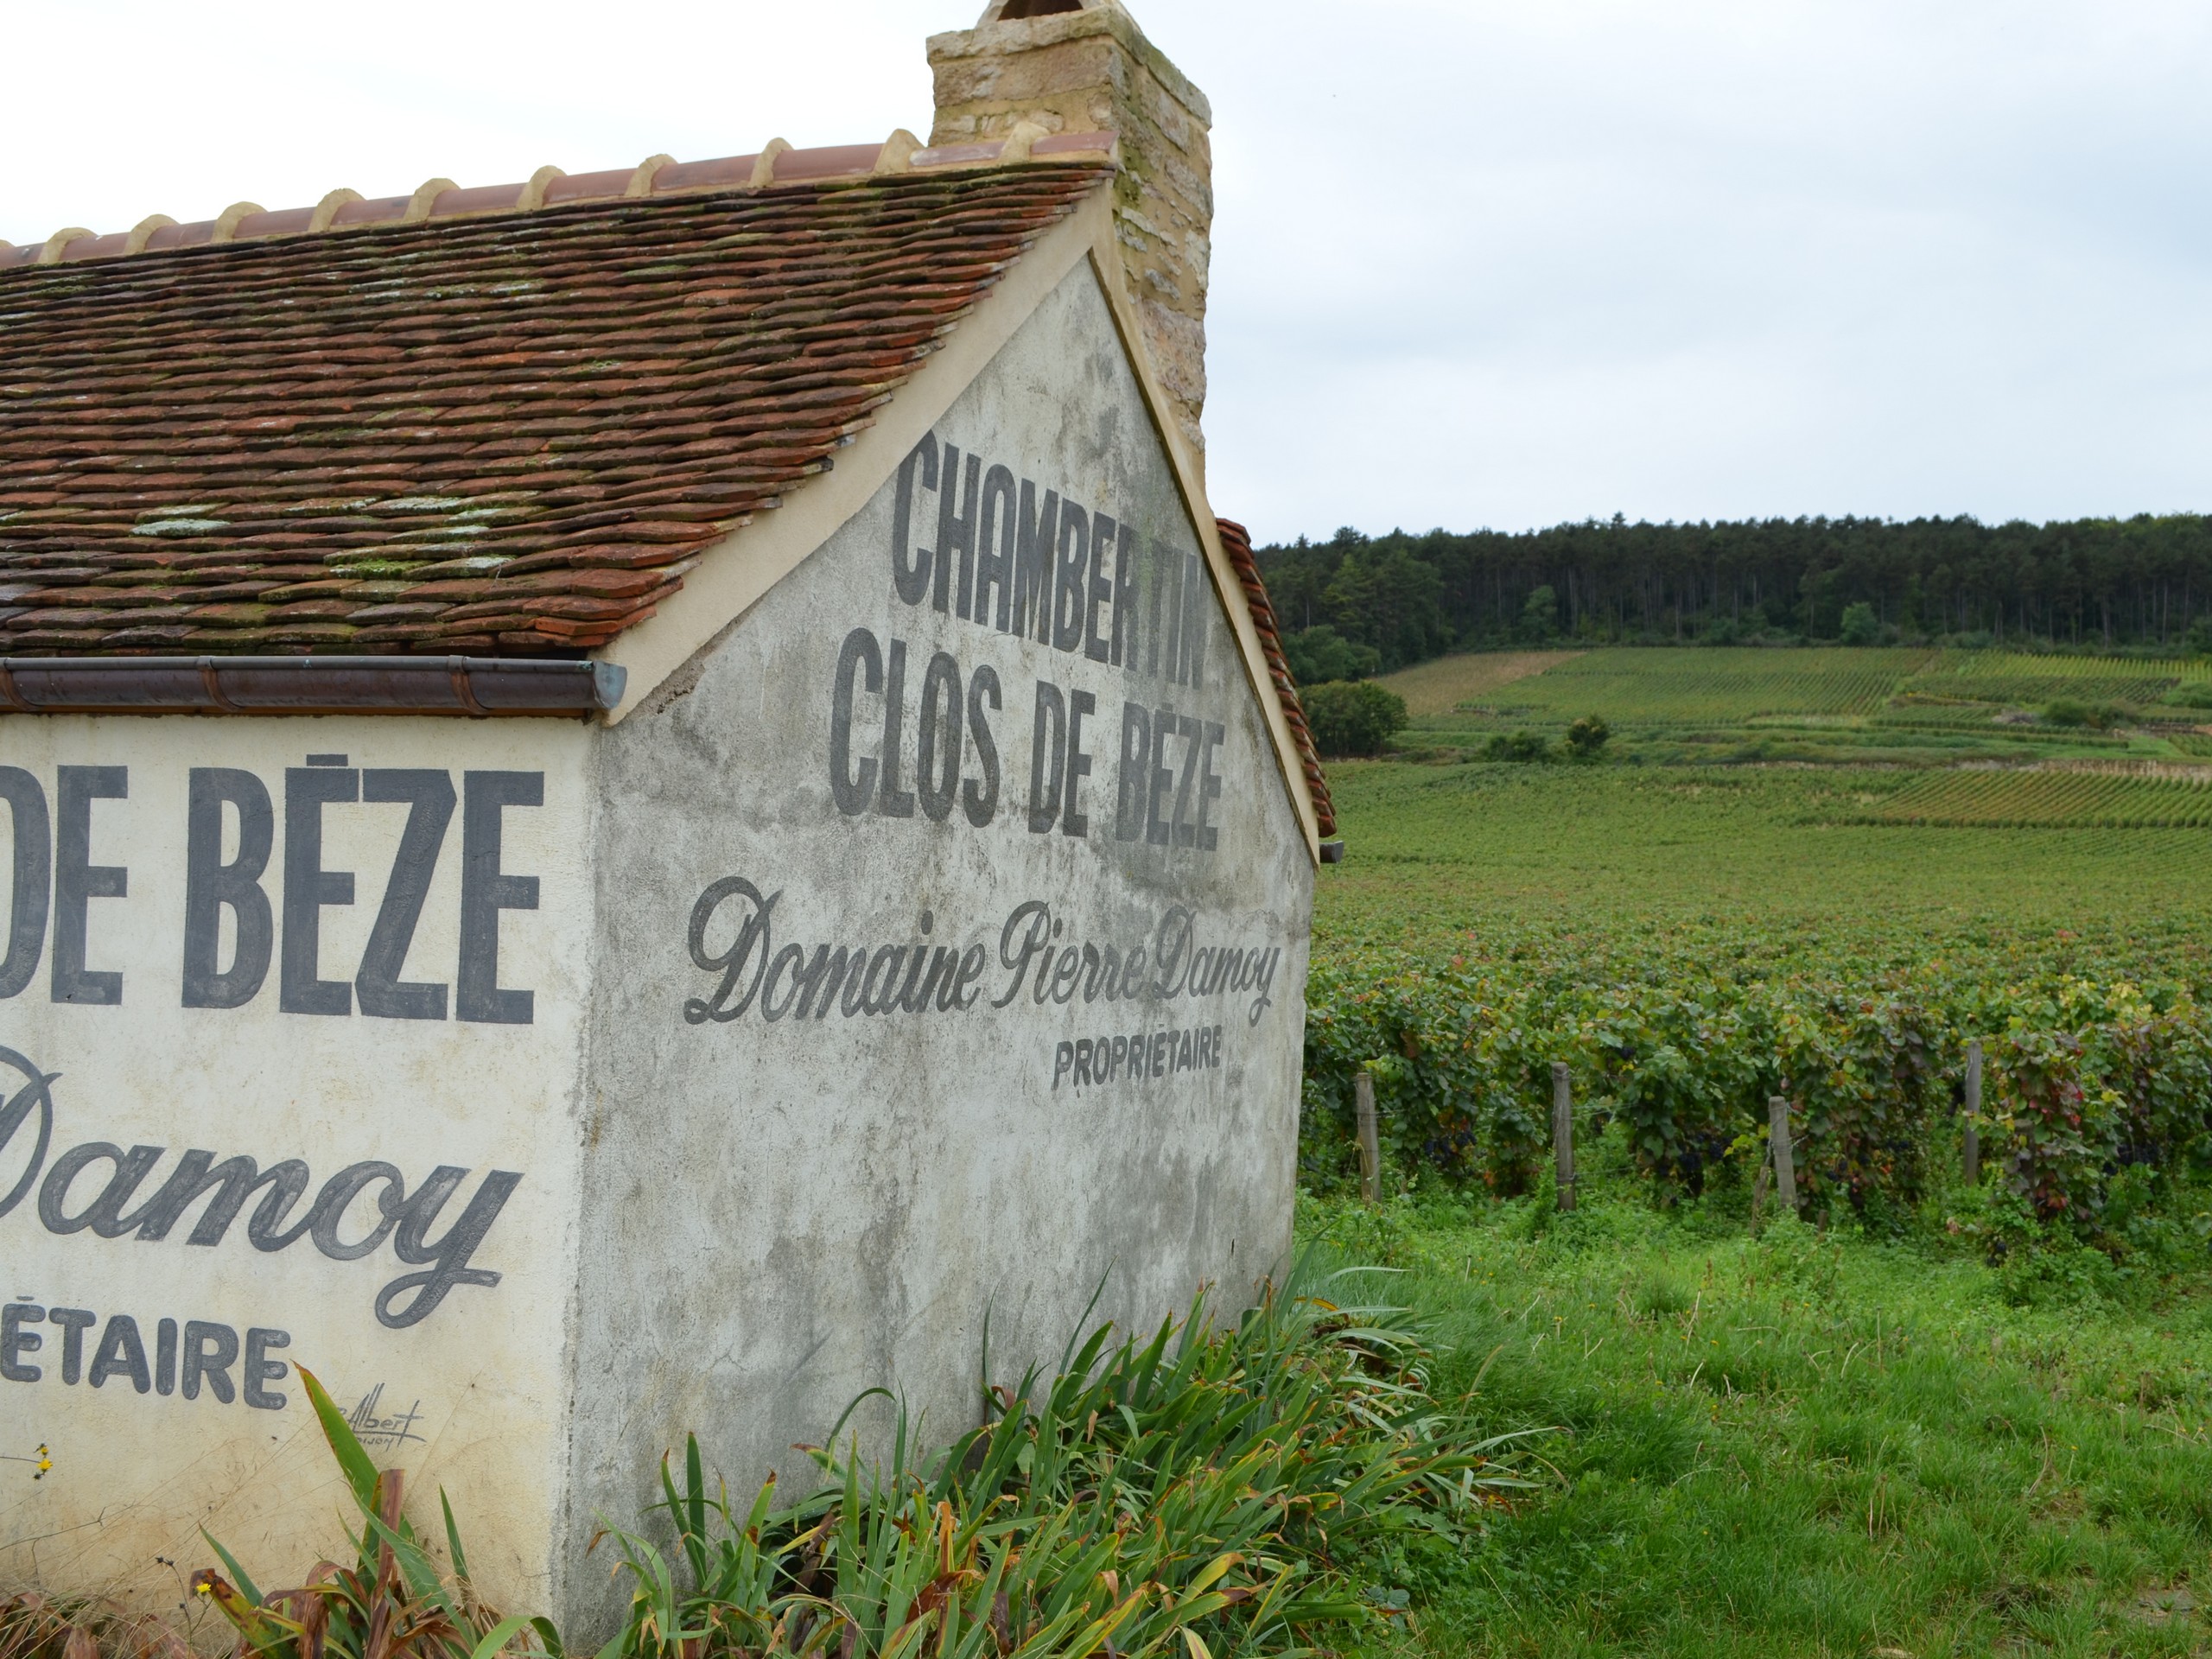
632 800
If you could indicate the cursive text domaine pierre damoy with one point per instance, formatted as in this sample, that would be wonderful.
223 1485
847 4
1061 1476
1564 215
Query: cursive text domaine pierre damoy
1180 958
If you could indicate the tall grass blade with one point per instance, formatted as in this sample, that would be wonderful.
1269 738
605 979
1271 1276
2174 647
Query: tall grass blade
360 1472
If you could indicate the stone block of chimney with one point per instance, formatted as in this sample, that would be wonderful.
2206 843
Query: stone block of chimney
1087 67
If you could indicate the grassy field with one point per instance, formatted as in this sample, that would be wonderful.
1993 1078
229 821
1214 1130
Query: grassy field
1896 1437
1782 785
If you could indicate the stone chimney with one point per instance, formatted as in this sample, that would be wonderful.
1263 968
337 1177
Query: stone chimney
1084 66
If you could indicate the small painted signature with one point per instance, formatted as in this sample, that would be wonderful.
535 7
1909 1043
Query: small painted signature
373 1425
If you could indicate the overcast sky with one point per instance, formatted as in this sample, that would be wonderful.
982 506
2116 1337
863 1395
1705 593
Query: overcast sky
1478 262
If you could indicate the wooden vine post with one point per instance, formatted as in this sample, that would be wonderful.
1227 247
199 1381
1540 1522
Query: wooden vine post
1785 1168
1370 1144
1970 1137
1563 1133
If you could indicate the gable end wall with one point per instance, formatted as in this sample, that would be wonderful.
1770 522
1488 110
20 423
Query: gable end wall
794 1195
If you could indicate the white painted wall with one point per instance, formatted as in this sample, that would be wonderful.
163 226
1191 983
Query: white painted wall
472 1397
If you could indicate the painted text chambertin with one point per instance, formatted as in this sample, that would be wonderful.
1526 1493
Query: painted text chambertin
921 939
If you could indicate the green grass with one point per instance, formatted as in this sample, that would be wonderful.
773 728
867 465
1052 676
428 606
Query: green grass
1806 1446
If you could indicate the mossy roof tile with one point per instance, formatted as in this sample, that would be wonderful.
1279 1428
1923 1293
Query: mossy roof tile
510 433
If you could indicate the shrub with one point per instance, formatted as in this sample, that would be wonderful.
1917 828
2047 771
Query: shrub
1320 655
2098 1097
1521 747
1355 719
1587 737
2071 711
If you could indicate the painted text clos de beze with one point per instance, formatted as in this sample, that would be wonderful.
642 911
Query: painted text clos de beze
1036 567
904 740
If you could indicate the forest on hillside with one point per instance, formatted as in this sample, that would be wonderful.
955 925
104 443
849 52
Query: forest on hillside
1358 604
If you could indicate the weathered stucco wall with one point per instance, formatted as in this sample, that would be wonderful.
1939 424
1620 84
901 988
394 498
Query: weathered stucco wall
799 1185
399 1063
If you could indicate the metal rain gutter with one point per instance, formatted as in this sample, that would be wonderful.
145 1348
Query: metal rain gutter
478 688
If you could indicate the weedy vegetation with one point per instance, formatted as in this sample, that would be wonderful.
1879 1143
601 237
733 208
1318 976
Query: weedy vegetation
396 1601
36 1626
1219 1489
1209 1490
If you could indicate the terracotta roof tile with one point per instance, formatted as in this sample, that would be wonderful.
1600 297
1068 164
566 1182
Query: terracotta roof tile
507 432
1237 542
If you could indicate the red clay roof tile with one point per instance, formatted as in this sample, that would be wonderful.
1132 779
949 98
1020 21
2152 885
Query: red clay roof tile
506 433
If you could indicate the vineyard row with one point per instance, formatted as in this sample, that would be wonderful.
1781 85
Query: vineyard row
2085 1075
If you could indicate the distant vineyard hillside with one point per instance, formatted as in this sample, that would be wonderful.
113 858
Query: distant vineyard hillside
1897 705
1356 603
2068 799
1721 685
